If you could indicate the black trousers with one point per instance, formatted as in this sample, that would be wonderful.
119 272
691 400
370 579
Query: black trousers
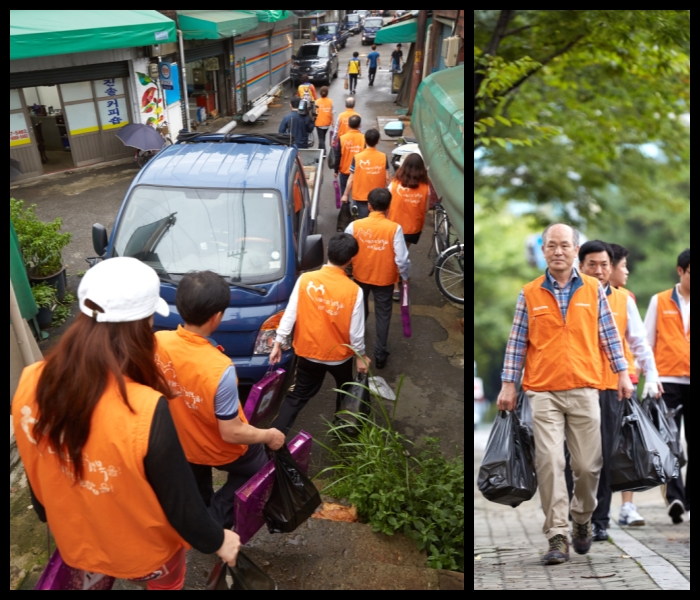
610 420
220 504
308 383
353 82
383 307
372 75
322 133
676 394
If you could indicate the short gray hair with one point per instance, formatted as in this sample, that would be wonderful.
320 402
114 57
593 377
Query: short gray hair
576 233
350 102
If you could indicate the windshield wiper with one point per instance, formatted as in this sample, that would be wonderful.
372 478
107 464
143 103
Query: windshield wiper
243 286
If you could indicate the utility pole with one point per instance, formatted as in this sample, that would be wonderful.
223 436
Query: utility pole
417 75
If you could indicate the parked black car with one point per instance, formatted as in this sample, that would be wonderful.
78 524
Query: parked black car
318 60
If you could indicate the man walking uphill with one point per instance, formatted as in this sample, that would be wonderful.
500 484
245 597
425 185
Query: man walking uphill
297 125
562 322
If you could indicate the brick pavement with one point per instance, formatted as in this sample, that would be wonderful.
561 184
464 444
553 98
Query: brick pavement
509 545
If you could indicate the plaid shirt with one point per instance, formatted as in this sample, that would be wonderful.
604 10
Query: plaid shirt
610 340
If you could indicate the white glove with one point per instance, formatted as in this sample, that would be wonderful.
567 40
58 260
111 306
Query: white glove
651 388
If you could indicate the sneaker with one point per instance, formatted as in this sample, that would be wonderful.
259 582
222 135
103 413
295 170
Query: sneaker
582 537
676 511
629 517
558 551
600 534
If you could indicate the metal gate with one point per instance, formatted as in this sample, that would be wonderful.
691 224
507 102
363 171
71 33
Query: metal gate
281 55
23 146
252 56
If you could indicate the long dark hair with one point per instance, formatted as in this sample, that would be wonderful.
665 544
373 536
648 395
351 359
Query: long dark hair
412 172
76 374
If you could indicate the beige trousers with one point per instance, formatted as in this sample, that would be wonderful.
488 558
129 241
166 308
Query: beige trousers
573 416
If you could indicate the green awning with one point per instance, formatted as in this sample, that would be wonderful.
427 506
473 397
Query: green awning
400 33
215 24
270 16
47 32
18 277
438 122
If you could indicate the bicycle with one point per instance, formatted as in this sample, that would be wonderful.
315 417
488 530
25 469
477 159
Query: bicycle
441 229
449 273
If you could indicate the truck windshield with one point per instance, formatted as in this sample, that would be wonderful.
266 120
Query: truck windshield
313 52
327 30
353 18
236 233
374 22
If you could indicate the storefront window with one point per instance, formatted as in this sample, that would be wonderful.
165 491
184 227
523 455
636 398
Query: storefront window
113 113
82 117
15 102
19 134
108 88
76 91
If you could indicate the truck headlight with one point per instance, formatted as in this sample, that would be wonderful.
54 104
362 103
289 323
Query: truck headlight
267 335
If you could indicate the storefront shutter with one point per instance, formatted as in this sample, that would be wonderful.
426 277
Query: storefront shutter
69 75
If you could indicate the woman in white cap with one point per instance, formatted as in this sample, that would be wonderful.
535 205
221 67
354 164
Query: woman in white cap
102 456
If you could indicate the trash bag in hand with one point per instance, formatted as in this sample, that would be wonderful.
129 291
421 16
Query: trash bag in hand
294 496
665 421
507 474
246 575
344 217
641 459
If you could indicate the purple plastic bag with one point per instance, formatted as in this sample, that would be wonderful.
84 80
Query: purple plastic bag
405 310
59 576
262 397
336 185
251 499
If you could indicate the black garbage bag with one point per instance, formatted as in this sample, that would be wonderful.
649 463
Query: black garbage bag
294 496
355 401
665 421
344 217
246 575
641 459
507 474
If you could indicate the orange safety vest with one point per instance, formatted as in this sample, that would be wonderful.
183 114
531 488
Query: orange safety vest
618 305
672 350
194 369
408 206
327 300
370 173
562 355
307 89
343 118
351 144
324 118
375 264
111 522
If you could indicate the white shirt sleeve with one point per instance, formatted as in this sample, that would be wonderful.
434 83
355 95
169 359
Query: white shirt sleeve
351 229
357 325
636 336
650 320
290 315
401 251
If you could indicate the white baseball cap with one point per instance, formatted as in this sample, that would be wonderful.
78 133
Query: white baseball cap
125 288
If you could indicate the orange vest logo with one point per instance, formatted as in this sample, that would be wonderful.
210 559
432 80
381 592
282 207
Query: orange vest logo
191 400
369 168
366 236
331 307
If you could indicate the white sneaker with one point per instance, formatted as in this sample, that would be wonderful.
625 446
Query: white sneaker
629 517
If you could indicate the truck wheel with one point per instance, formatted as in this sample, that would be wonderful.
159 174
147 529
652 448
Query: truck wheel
335 75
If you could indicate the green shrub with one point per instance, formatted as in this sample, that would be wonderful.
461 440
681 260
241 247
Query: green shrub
44 295
63 310
398 487
41 243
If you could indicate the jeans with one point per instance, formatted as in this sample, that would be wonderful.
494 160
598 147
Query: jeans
353 82
372 75
383 307
220 504
308 383
322 132
362 208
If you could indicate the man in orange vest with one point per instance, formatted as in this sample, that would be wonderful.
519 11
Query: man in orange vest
596 258
351 144
342 125
207 412
668 328
382 256
326 307
369 170
562 322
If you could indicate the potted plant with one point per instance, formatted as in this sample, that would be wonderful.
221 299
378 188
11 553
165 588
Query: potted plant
45 298
42 246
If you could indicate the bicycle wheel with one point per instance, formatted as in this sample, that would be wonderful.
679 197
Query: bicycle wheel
449 274
442 231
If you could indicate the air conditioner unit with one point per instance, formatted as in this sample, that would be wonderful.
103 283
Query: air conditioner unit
450 50
211 64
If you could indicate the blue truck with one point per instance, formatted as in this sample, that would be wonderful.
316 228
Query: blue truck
333 32
353 23
370 27
244 207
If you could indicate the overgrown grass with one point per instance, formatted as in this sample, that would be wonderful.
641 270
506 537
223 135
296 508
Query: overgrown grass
399 487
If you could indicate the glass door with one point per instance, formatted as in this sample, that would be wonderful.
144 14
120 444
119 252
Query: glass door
23 144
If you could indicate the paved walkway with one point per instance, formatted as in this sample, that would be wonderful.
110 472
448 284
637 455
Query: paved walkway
508 547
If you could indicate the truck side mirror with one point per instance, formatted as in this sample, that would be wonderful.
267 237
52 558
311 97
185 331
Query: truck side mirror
313 253
100 239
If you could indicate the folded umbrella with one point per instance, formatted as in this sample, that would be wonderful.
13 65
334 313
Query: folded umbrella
143 137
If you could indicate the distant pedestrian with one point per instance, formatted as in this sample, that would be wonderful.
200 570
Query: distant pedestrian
383 256
373 63
369 170
307 90
342 124
297 125
397 59
668 327
410 191
326 318
562 332
354 71
324 116
351 144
